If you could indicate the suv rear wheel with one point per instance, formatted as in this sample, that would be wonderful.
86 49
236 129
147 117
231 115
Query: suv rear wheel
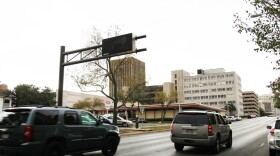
272 152
178 147
110 146
53 149
229 143
217 146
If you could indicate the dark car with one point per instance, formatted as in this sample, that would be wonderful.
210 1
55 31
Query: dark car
104 120
54 131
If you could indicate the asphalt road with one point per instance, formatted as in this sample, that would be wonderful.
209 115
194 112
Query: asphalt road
249 139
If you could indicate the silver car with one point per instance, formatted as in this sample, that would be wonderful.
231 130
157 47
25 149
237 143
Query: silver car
200 128
120 121
273 137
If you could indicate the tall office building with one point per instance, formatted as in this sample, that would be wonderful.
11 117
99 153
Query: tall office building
251 103
266 103
214 87
129 72
151 91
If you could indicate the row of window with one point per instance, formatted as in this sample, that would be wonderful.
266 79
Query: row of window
205 97
209 84
208 90
209 77
218 103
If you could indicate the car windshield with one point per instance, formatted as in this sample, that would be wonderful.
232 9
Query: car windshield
14 117
191 118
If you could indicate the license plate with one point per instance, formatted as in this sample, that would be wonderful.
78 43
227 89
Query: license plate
5 136
189 131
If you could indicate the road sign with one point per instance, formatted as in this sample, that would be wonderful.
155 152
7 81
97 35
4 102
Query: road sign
142 110
108 104
118 44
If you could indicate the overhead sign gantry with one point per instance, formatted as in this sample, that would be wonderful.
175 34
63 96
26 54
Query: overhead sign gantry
111 47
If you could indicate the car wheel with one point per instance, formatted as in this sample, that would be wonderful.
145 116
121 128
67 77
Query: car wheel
229 143
178 147
124 124
53 149
110 147
217 146
272 152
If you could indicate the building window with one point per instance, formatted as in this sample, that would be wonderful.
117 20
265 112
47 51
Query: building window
175 76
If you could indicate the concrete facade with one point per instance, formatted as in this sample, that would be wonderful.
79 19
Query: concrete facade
251 103
129 72
213 87
267 104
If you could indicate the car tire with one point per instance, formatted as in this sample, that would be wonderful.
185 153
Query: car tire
272 152
110 147
229 142
53 149
124 124
179 147
217 146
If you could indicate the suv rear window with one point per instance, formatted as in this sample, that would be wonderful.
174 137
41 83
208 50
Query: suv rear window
191 118
277 124
46 117
14 117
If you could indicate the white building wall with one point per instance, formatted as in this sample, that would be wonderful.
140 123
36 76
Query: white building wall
266 99
213 87
177 78
70 98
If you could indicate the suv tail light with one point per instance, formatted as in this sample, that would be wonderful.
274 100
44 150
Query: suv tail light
28 134
172 128
210 130
272 132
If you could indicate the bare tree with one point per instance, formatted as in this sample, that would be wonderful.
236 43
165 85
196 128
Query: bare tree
95 76
89 104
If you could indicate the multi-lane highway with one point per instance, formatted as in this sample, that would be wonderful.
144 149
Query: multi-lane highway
249 139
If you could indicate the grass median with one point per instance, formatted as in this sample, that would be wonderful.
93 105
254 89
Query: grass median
145 129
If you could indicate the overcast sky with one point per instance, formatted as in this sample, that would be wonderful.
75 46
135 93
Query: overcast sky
181 34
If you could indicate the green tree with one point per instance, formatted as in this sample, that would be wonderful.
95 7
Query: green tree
165 101
275 87
230 108
262 113
262 25
95 76
133 94
25 94
47 97
89 103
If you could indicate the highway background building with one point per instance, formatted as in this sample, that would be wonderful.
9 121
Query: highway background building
130 70
251 103
267 104
213 87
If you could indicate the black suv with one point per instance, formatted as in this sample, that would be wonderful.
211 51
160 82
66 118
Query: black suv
54 131
200 128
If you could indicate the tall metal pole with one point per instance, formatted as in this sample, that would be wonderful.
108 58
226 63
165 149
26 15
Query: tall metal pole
61 77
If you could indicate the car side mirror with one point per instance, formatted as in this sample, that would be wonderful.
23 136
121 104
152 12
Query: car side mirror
268 127
98 122
228 122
